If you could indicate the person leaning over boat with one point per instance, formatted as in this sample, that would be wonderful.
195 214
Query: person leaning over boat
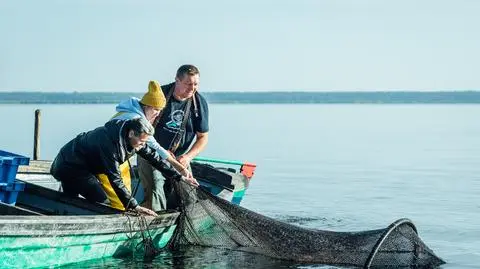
149 107
101 151
182 128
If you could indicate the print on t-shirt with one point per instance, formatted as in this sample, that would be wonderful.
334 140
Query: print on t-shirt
176 119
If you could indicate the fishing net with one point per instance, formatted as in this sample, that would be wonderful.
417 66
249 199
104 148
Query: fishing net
207 220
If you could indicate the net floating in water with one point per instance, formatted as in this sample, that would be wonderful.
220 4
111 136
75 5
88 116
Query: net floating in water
207 220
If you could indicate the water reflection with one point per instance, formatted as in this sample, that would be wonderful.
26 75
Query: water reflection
196 257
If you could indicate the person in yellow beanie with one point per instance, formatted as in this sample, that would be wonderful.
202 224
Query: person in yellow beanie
149 108
153 101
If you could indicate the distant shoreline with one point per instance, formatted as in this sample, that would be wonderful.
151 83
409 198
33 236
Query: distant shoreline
374 97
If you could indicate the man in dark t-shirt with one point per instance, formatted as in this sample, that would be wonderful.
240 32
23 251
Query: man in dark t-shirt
182 128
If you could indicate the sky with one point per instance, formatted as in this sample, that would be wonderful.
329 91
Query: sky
247 45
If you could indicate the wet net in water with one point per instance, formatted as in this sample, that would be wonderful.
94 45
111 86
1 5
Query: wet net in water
207 220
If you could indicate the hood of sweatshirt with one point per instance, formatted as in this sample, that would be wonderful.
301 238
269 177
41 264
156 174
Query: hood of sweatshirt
131 105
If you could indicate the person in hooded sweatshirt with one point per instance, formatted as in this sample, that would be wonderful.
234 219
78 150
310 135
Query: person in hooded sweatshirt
149 108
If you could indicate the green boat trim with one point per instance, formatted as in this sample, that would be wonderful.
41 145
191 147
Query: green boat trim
246 168
222 161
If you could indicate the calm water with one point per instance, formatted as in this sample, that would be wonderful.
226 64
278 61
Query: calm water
334 167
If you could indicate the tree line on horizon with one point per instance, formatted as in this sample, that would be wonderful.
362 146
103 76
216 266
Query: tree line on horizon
390 97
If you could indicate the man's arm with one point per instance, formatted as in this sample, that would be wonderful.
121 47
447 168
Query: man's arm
165 155
149 154
160 150
197 147
179 167
152 157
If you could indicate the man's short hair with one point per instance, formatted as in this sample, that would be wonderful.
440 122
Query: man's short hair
139 126
187 69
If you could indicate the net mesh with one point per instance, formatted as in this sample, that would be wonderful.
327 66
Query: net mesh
207 220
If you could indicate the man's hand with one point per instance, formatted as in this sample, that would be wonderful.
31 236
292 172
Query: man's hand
184 160
146 211
186 173
181 168
191 180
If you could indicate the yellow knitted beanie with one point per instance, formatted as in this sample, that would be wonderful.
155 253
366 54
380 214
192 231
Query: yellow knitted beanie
154 97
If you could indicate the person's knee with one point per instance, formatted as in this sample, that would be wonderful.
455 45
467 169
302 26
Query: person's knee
69 189
96 196
93 191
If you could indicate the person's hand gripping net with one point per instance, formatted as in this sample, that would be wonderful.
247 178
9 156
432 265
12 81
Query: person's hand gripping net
188 177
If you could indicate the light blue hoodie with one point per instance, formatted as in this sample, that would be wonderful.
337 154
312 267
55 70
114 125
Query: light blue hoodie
131 109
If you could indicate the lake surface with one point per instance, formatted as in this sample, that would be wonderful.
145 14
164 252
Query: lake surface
332 167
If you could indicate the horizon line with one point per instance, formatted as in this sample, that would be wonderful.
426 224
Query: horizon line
263 91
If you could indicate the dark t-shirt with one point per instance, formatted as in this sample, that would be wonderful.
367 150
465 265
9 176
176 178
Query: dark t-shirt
172 117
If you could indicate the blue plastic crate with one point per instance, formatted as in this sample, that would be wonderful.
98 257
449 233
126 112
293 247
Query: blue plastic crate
15 186
9 163
9 192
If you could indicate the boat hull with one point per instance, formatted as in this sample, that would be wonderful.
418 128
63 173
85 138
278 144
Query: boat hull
39 241
48 228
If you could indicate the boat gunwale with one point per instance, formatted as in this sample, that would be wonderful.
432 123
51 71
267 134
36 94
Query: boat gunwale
88 224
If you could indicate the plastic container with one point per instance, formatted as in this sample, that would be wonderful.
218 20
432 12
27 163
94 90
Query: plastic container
9 191
9 163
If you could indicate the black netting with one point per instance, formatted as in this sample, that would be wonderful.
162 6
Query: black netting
210 221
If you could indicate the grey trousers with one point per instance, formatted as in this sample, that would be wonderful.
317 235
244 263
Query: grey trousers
153 182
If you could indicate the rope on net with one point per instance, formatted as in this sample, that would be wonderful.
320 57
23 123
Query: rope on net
146 244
